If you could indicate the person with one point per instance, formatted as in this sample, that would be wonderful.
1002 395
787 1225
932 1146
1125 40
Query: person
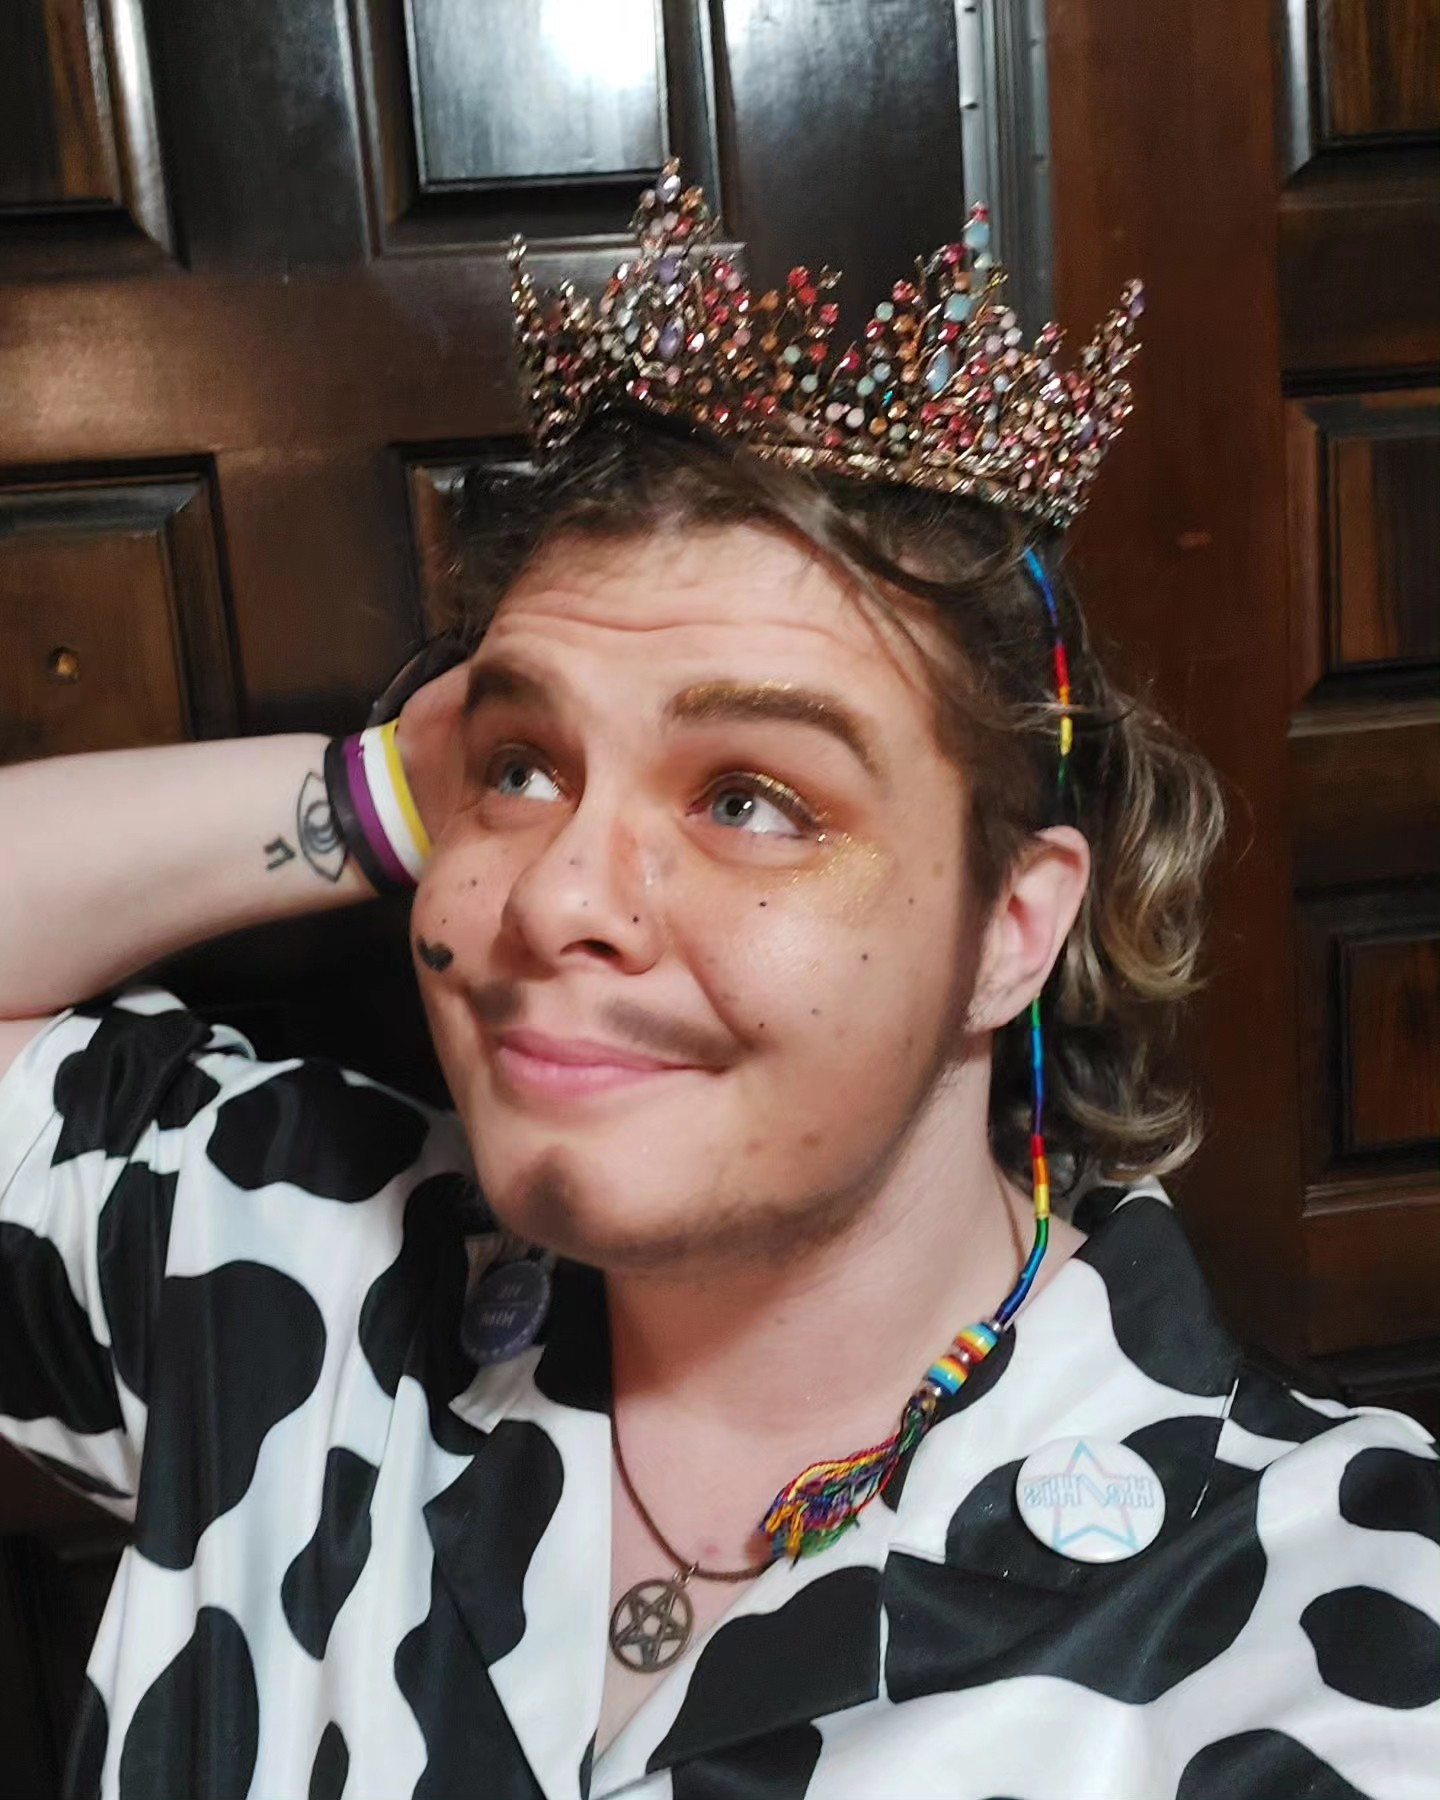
709 1404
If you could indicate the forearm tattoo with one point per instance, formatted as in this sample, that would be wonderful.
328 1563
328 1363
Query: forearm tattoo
316 831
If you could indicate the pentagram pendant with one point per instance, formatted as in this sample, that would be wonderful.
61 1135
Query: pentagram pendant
651 1624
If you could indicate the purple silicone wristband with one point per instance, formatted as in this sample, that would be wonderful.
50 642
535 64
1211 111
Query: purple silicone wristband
370 819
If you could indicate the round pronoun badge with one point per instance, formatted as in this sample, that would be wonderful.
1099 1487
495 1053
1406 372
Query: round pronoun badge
1090 1499
504 1313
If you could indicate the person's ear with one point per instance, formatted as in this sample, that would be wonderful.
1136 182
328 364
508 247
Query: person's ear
1028 925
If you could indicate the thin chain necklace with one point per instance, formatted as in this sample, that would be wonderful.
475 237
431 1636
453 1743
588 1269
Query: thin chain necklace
654 1621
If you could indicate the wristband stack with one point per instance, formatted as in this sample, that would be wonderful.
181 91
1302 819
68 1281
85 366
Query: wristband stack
375 810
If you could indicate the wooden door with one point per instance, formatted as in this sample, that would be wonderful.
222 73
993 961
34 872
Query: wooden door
1270 554
254 320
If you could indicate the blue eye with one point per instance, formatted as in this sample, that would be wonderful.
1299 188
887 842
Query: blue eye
741 808
520 777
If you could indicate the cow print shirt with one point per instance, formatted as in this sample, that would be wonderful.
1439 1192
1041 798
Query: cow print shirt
230 1304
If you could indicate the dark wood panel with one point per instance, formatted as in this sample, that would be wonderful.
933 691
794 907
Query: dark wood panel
1163 157
1366 793
1364 470
475 131
1360 264
112 617
1406 1377
261 131
1379 67
1372 1271
1392 1014
1369 1042
82 181
817 92
508 91
57 140
324 596
1387 532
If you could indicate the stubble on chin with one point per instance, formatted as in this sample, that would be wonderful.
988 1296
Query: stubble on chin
719 1234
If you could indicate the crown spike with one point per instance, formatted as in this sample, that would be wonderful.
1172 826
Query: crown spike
941 391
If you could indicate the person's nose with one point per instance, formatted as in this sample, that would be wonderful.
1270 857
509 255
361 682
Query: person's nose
585 896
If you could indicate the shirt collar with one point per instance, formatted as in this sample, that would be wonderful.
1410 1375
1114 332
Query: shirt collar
1125 1335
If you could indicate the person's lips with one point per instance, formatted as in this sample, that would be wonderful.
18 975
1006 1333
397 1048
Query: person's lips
535 1063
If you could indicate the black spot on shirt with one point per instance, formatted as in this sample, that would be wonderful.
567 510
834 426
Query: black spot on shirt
1261 1765
1390 1490
132 1242
410 1318
237 1350
89 1735
587 1770
1005 1605
51 1365
312 1128
197 1727
486 1525
1264 1404
319 1581
574 1366
1374 1647
775 1767
440 1671
331 1765
135 1070
816 1654
1160 1309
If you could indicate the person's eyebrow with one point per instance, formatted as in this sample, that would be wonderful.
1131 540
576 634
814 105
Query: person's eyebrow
710 700
502 681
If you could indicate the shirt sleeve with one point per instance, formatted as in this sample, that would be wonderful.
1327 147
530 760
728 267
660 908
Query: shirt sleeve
93 1130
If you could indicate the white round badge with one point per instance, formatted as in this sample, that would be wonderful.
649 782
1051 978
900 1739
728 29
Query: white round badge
1090 1499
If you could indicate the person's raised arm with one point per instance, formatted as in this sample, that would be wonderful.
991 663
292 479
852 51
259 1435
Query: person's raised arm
119 858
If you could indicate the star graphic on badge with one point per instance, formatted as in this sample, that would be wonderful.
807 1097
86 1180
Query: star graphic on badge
651 1625
1106 1493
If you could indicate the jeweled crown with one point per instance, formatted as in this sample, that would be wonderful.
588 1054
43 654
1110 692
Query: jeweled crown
941 394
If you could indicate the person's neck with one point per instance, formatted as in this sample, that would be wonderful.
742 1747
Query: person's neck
784 1362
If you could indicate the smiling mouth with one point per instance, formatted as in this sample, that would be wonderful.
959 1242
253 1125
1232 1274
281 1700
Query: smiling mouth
534 1065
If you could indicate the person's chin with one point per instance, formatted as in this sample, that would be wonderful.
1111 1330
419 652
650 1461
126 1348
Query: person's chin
584 1213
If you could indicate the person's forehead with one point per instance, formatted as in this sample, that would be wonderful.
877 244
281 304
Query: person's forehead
698 596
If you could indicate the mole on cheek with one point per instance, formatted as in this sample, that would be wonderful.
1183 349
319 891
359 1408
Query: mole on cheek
810 1139
434 956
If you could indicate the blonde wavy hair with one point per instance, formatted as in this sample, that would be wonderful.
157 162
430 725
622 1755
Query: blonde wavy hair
952 573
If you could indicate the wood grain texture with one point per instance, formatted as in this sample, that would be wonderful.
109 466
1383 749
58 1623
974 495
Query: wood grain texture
1379 71
1162 115
508 91
113 618
1368 990
469 137
1392 1018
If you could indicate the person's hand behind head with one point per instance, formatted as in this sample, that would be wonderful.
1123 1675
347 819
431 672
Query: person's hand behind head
431 743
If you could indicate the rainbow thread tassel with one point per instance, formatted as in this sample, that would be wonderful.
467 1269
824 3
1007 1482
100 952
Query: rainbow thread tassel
826 1499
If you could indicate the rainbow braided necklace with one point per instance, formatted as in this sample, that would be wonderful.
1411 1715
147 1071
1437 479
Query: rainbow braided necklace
652 1623
827 1498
